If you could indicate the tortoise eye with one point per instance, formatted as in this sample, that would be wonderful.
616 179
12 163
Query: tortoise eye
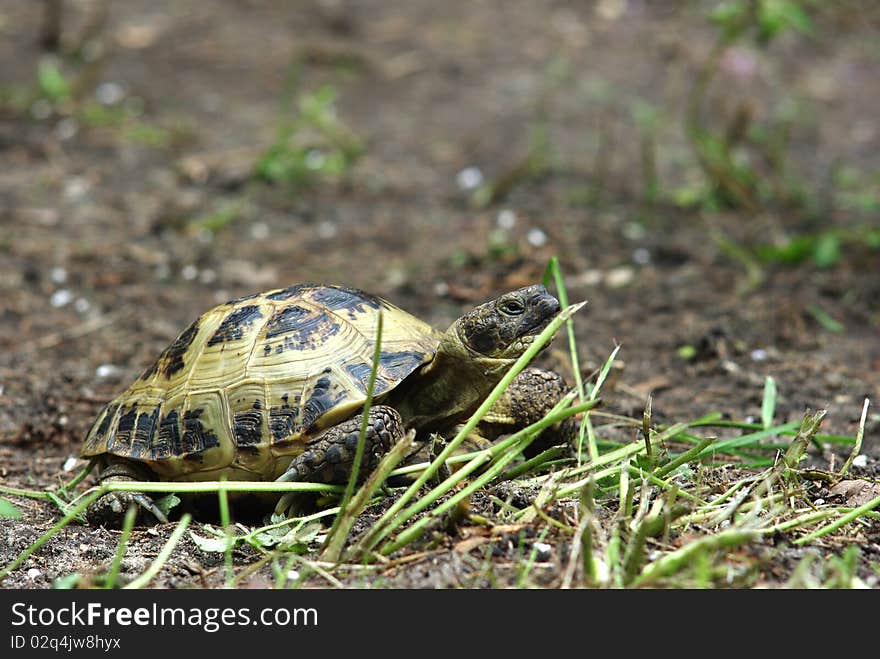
512 307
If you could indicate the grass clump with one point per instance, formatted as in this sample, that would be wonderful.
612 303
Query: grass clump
708 503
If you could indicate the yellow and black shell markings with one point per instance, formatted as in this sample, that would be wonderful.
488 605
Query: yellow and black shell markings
243 387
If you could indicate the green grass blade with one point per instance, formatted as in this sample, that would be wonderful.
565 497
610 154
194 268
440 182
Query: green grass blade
471 424
127 525
768 404
857 446
163 556
337 535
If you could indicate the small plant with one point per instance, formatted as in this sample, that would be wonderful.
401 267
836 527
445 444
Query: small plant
728 155
314 144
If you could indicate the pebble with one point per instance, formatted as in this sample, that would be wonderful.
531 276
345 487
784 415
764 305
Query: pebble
82 305
33 573
758 355
327 230
641 256
58 275
108 371
60 298
441 288
66 128
292 575
860 461
41 109
259 231
506 219
189 272
543 551
819 502
536 237
109 93
619 277
76 188
70 463
469 178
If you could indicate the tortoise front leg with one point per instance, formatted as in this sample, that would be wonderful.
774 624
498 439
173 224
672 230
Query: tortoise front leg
329 457
109 509
531 395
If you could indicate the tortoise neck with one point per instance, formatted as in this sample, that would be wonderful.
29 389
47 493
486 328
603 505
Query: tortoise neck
451 387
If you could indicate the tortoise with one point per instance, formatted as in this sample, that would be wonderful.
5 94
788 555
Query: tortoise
272 386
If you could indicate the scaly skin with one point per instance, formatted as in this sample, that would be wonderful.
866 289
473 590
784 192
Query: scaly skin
531 395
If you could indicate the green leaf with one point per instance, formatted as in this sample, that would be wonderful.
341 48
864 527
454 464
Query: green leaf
52 82
216 545
8 509
776 16
67 582
728 13
166 503
826 251
825 319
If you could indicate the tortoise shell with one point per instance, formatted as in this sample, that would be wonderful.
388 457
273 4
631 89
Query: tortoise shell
242 389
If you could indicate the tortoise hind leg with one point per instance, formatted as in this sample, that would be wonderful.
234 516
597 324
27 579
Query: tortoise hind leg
109 509
329 457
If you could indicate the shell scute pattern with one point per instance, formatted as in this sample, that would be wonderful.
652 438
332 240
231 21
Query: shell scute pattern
249 380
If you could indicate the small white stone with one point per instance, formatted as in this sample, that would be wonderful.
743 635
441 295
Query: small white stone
70 463
41 109
591 277
58 275
469 178
641 256
860 461
543 551
75 188
108 371
109 93
66 128
819 502
506 219
259 231
60 298
327 230
758 355
83 548
189 272
292 575
207 276
82 305
33 573
536 237
619 277
441 288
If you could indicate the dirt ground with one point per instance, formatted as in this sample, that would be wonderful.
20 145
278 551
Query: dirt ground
115 233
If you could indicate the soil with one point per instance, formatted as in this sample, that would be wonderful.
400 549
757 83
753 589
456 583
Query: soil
114 236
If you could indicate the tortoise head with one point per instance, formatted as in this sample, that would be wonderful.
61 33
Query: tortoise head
505 327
